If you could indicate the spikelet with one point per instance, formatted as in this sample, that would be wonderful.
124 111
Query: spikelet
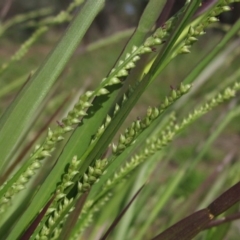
198 30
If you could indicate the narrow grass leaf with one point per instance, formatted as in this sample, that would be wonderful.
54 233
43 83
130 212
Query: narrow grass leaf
15 121
190 226
225 201
73 217
187 228
27 234
88 128
224 220
115 222
211 55
29 99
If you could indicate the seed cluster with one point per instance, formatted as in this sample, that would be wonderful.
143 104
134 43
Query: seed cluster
87 214
92 175
165 136
116 76
132 132
198 30
62 205
17 186
41 152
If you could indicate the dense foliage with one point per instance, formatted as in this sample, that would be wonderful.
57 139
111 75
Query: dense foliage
87 177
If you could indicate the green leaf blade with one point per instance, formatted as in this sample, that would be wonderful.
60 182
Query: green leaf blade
14 123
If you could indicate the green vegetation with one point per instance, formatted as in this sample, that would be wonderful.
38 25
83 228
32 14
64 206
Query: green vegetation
125 137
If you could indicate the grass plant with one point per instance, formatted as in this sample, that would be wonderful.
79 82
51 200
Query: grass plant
100 174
